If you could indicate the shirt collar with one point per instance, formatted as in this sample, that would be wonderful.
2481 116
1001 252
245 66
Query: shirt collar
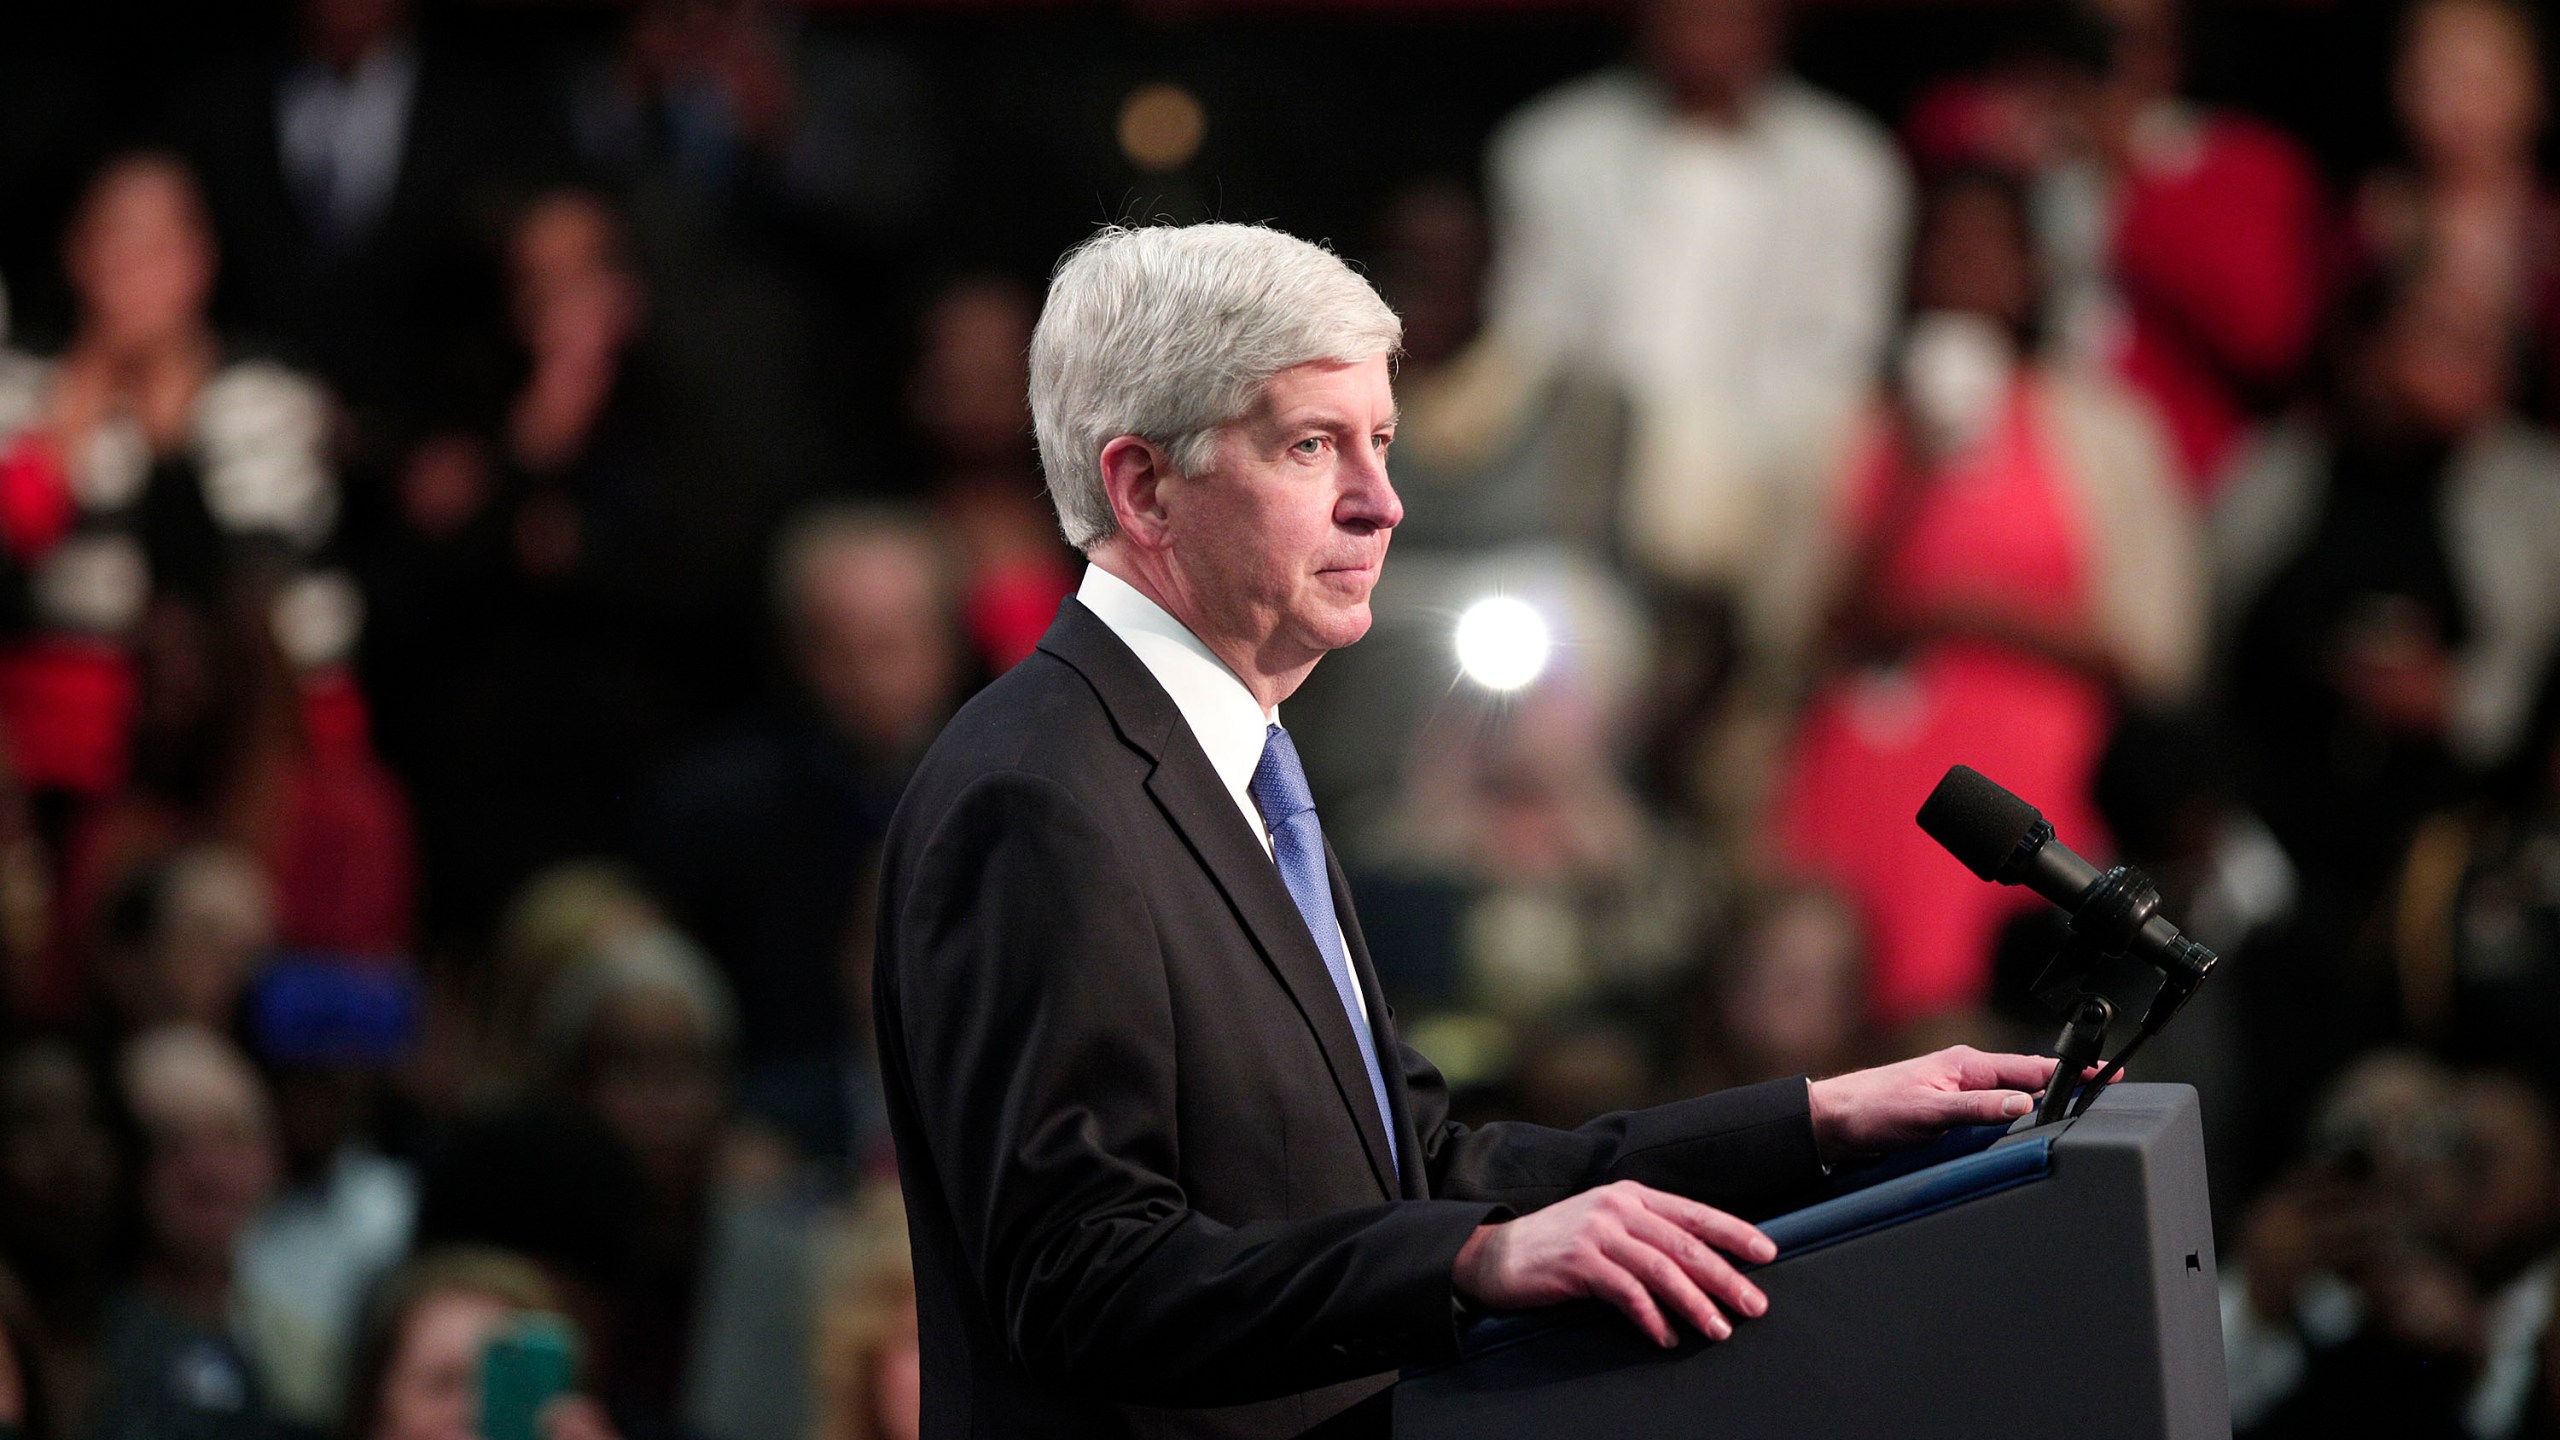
1229 723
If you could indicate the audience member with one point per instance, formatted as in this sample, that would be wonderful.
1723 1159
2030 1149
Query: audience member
2385 580
2014 554
714 1319
225 754
325 1033
416 1373
1717 239
2183 243
764 843
2401 1280
66 1221
347 167
560 601
2467 196
774 172
150 461
179 1355
2475 915
548 1181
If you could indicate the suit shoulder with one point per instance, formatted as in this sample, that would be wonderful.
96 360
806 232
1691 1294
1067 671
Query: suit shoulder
1040 719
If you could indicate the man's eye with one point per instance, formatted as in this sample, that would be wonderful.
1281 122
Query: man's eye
1311 446
1380 443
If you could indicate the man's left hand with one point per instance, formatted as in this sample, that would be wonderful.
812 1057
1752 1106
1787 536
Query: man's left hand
1868 1111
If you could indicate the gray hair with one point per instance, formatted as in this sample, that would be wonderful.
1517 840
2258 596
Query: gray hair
1170 332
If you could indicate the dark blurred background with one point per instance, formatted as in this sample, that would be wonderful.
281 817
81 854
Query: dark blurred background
495 496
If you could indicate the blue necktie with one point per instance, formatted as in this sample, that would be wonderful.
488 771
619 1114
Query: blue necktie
1288 809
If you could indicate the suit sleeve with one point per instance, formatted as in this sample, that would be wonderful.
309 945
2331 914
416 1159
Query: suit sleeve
1747 1150
1027 981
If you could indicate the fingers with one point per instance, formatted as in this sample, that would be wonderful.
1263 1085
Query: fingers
1728 1233
1668 1283
1714 1276
1666 1246
1620 1287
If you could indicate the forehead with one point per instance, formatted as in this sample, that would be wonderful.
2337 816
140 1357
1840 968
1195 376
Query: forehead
1359 393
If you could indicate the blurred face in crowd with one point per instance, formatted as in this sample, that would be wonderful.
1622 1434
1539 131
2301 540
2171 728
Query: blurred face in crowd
1437 246
58 1163
2444 357
341 33
1794 997
2391 1128
140 255
213 920
1975 256
2144 41
217 920
2510 1193
2468 86
973 371
655 1079
209 1141
1270 552
1539 780
431 1389
572 287
1712 55
875 638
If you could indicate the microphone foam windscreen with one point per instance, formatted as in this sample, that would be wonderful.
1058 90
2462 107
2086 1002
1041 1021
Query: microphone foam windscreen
1979 823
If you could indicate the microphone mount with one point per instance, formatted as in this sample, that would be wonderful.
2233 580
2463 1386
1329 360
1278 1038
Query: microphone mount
2117 936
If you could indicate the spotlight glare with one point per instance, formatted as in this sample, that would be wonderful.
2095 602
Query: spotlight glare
1502 642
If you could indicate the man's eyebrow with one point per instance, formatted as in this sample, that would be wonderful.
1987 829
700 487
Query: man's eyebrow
1331 420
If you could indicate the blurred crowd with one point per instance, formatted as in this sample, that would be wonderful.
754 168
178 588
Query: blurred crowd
486 527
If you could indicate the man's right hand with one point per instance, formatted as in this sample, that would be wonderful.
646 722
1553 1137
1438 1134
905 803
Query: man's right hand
1640 1249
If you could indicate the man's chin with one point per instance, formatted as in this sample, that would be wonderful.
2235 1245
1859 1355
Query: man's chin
1342 627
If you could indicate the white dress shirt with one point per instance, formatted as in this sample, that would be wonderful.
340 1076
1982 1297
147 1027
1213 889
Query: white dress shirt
1231 726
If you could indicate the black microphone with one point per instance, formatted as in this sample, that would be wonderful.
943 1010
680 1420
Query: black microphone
2002 838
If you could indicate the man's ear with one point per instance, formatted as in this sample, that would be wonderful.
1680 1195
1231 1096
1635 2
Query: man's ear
1134 472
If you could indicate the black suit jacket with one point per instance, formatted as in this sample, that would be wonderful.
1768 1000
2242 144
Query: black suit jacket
1146 1182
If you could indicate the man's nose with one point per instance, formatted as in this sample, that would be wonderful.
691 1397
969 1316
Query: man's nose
1369 498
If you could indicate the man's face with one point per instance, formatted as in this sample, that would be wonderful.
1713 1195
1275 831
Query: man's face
1278 541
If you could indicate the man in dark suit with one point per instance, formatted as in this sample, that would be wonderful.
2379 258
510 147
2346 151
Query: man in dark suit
1168 1170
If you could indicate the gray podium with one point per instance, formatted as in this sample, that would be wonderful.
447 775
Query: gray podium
2057 1281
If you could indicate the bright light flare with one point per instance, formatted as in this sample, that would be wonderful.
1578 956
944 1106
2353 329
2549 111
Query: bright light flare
1503 643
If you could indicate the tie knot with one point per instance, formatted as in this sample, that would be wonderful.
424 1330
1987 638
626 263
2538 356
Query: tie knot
1279 785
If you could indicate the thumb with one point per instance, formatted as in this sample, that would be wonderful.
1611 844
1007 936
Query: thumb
1993 1107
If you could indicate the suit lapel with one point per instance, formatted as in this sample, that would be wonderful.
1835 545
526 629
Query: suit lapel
1186 788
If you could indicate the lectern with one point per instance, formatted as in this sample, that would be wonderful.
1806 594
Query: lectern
2055 1281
